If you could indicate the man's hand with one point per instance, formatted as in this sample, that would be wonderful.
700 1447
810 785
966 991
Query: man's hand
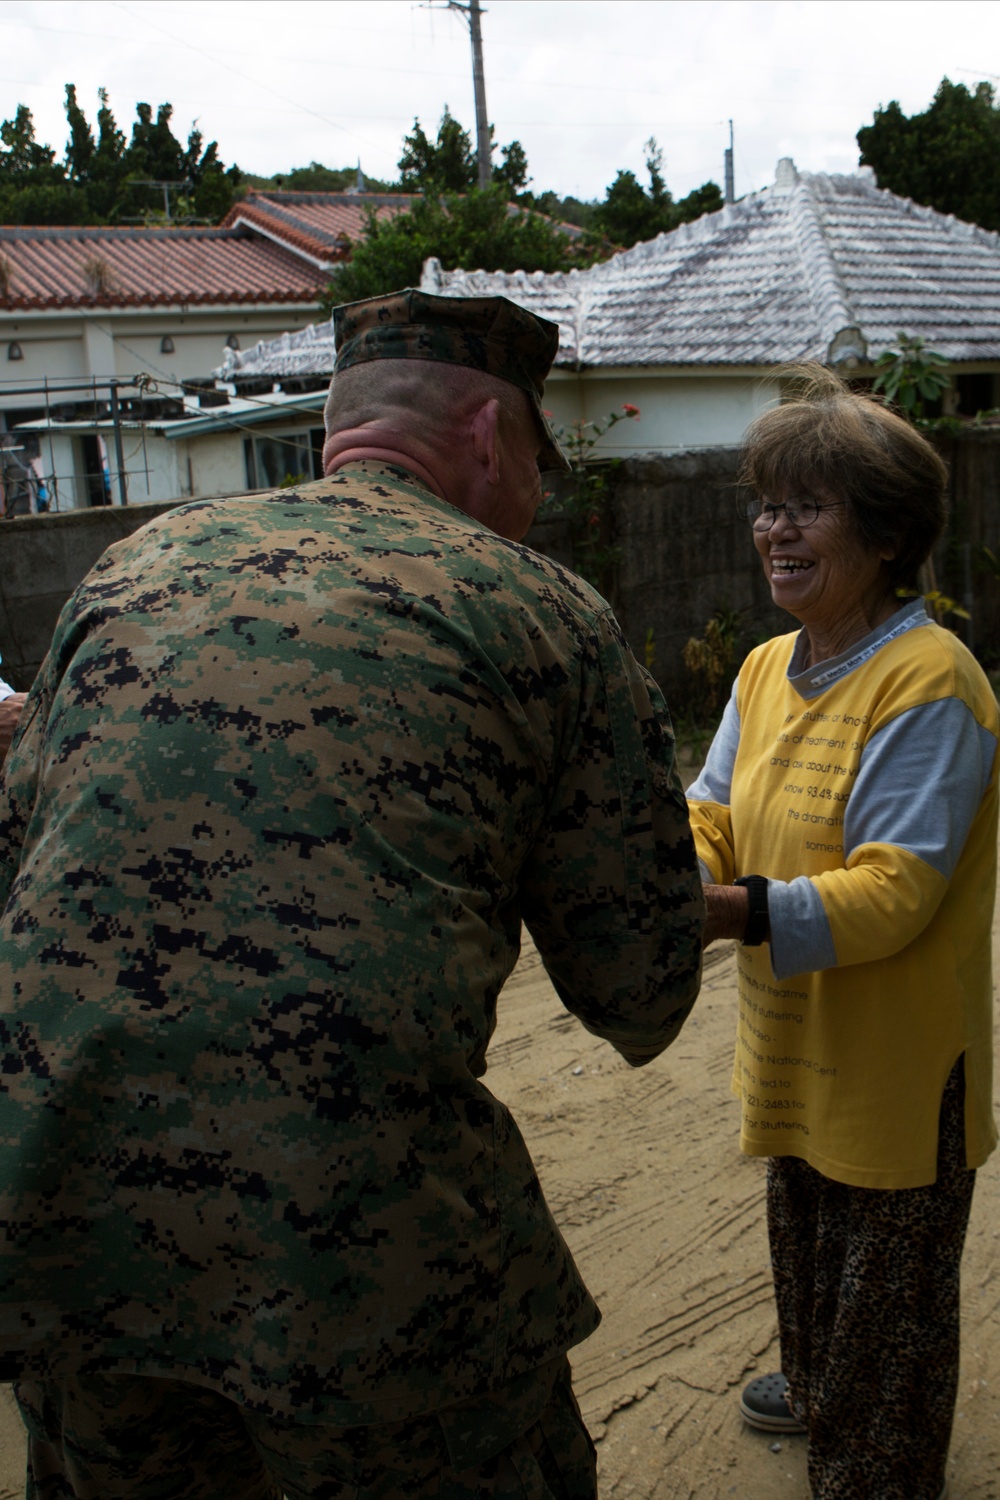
10 712
727 911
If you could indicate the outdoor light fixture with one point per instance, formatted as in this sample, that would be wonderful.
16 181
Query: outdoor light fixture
166 344
233 341
14 351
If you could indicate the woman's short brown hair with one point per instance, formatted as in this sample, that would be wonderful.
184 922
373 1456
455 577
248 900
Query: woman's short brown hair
828 440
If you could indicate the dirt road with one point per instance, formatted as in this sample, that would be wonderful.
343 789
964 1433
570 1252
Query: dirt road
666 1220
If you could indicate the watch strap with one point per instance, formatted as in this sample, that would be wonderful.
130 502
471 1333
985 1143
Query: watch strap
758 920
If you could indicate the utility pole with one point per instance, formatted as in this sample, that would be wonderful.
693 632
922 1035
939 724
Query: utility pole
166 189
730 182
472 10
479 83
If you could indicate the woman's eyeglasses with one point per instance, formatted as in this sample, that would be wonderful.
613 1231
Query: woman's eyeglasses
761 514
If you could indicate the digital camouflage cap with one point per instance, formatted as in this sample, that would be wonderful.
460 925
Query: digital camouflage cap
491 334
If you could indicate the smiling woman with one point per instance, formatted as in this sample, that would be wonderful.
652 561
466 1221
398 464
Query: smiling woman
846 822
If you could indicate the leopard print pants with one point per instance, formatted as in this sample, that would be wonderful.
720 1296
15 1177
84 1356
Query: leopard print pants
867 1287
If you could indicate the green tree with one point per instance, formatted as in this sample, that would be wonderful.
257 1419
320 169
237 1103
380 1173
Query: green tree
80 149
315 178
631 213
706 199
513 170
478 230
566 210
33 185
447 165
628 213
96 168
946 156
25 160
450 165
213 188
99 180
154 151
318 179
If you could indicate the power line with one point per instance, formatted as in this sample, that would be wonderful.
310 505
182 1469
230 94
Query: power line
220 62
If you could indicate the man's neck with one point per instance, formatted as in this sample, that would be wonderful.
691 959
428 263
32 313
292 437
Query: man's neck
377 453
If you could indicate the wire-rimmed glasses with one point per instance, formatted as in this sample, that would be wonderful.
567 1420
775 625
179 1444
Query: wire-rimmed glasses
801 511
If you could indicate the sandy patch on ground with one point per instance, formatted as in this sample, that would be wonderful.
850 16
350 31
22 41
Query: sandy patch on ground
666 1220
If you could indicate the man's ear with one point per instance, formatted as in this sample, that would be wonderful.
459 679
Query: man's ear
485 429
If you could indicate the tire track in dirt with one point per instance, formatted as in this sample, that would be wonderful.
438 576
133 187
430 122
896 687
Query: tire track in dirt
666 1220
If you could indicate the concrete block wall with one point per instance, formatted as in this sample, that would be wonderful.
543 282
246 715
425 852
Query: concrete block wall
684 553
42 559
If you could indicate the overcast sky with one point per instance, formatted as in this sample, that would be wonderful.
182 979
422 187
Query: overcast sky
581 83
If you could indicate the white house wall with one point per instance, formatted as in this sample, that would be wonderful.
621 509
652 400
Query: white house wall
218 466
152 467
42 355
676 411
199 343
71 346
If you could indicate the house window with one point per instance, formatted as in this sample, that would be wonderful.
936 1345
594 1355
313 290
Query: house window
975 394
283 459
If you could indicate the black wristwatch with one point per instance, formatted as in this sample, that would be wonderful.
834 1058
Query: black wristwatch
758 922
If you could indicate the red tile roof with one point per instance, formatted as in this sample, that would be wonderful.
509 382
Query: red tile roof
322 225
271 247
90 268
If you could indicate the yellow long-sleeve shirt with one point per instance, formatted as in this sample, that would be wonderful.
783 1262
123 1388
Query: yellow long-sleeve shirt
865 790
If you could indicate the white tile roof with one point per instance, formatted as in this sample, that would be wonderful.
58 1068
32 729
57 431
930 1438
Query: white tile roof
308 352
818 267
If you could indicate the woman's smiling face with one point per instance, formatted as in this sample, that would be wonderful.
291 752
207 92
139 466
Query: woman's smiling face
825 575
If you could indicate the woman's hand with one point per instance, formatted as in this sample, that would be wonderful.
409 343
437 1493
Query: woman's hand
10 712
727 911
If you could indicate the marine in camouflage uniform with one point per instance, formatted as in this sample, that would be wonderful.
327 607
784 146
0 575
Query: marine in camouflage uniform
297 766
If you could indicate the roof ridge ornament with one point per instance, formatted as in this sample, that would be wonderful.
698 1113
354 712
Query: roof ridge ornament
847 349
786 175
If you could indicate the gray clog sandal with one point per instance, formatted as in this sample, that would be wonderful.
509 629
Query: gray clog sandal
764 1405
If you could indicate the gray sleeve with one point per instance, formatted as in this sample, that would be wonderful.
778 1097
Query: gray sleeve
920 781
715 782
801 940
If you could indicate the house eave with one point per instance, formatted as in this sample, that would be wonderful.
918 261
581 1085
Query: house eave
157 309
287 243
236 416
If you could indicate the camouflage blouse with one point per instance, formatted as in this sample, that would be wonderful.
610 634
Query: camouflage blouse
295 769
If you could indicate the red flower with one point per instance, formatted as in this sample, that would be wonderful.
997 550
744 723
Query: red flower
629 409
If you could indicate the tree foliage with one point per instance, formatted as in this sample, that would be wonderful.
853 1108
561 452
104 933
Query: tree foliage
947 156
631 213
461 225
104 179
449 164
909 373
568 210
316 178
478 229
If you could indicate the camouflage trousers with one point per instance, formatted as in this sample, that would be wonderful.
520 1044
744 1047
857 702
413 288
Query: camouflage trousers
116 1437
